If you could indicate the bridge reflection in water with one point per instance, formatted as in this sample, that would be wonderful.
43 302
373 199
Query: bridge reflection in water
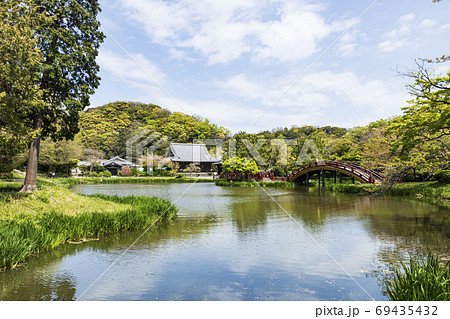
354 170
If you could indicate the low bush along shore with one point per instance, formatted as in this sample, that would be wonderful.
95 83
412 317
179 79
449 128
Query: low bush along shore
122 180
433 190
53 215
224 182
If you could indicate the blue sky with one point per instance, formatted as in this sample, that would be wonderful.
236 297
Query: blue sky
260 64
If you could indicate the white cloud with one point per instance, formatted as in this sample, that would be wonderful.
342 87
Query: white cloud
408 34
138 70
318 94
347 45
223 31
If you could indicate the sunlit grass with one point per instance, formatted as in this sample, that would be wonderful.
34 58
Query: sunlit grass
121 180
52 216
223 182
56 199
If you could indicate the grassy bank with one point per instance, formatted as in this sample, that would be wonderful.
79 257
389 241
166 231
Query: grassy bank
420 281
223 182
429 190
121 180
51 216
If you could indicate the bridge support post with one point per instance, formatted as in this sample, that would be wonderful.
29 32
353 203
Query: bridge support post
307 179
340 178
353 180
322 173
335 177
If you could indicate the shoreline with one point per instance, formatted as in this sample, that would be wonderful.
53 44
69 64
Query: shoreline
430 191
53 215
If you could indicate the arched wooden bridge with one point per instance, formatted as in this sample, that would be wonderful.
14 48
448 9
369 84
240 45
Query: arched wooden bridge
360 173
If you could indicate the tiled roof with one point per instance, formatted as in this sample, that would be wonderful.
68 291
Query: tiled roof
184 152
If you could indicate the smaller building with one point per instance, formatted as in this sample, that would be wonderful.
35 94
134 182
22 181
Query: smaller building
185 154
114 165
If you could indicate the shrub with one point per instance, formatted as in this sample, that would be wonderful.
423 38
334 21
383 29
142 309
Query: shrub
7 176
443 176
93 174
107 174
240 165
179 175
126 171
163 172
99 168
278 171
421 281
134 171
192 168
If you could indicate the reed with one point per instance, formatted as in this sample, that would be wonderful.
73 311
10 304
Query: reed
277 184
352 188
121 180
434 190
22 234
420 281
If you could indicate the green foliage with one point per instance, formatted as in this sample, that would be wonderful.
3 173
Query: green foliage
275 184
278 171
423 131
352 188
428 190
420 281
179 178
20 68
93 174
7 176
108 127
69 43
240 165
22 234
162 172
192 168
59 156
443 176
106 174
57 83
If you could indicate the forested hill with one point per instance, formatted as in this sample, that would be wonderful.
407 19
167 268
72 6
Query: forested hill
106 128
381 145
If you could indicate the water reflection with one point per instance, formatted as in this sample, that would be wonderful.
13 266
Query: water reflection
40 278
239 244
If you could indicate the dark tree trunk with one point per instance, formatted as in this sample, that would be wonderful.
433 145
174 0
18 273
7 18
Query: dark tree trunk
29 185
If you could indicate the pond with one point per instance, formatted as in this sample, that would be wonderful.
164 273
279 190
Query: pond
232 243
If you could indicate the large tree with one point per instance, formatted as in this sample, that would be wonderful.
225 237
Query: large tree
423 132
69 44
20 63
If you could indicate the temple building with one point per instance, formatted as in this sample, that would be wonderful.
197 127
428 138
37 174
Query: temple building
185 154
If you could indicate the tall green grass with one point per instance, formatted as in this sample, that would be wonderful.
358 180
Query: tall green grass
223 182
434 190
425 189
352 188
420 281
121 180
23 234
